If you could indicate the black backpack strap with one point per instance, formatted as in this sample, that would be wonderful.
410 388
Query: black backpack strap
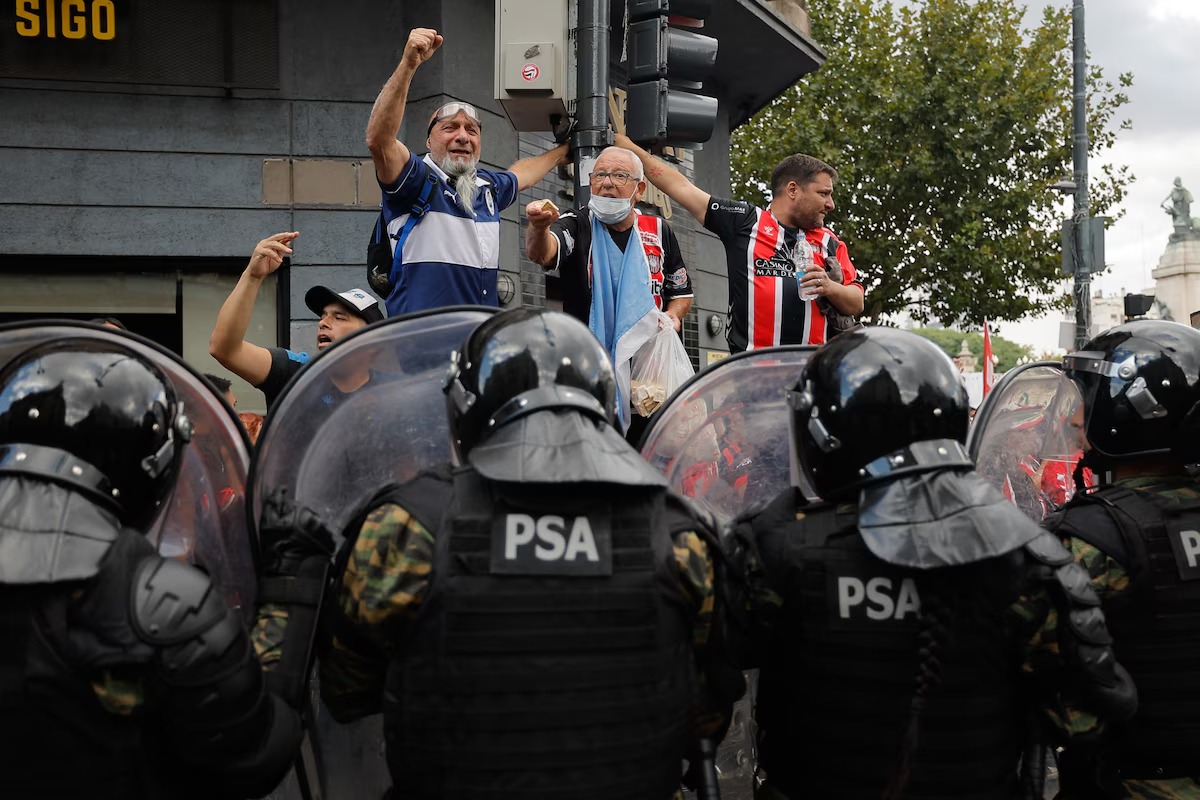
385 284
377 236
1112 519
420 207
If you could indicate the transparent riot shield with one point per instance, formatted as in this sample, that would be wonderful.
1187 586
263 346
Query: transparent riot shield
332 448
722 440
369 412
1027 438
204 520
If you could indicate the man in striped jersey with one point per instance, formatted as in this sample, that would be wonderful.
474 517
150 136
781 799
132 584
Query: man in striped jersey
452 256
776 256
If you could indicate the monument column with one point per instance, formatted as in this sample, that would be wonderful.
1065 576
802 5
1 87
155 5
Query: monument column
1177 276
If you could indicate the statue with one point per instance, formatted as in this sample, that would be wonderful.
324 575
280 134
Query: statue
1180 208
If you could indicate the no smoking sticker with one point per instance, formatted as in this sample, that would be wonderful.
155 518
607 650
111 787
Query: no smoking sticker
530 72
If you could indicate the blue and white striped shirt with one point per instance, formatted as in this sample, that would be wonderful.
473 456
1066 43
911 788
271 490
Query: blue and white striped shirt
448 258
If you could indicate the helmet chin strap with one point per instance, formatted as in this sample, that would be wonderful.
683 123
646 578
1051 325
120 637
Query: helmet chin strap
1092 460
1077 474
59 466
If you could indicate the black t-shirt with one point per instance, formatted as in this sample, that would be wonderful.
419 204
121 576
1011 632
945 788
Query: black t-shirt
668 274
284 364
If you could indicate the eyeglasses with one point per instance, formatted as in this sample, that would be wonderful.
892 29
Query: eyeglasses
449 110
618 178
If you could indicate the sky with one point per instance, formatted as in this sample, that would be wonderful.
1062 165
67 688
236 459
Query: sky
1157 41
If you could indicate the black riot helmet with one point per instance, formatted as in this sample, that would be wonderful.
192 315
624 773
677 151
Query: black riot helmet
1140 384
96 416
874 404
521 361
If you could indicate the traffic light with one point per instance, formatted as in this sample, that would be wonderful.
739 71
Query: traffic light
1137 305
663 61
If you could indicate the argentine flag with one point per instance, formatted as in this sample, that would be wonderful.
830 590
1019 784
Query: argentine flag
623 315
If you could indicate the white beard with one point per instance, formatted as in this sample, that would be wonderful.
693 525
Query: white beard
464 181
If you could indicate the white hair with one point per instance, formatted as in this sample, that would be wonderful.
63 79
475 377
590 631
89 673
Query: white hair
637 172
463 174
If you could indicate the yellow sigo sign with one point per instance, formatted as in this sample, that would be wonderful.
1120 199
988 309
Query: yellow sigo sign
68 19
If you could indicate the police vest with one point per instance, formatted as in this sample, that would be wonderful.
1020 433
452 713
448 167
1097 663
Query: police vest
838 679
56 739
1155 621
552 656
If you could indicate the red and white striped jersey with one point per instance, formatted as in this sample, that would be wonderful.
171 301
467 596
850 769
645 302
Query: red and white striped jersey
765 308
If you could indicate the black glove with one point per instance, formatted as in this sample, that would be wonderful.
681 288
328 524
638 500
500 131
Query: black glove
297 551
290 535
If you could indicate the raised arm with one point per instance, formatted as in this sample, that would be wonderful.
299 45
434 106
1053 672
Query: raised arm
541 246
530 171
228 344
669 180
389 153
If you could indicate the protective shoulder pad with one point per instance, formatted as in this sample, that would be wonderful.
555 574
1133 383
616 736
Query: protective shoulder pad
173 602
1091 518
426 497
1048 549
778 509
1084 638
682 515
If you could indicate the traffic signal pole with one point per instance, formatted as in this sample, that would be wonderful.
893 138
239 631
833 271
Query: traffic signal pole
591 116
1083 230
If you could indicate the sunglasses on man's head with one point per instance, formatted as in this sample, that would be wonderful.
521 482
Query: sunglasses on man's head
449 110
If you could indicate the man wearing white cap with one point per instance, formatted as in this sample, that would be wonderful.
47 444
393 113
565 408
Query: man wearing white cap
270 368
452 256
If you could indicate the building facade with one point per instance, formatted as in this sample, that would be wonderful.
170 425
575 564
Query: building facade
145 148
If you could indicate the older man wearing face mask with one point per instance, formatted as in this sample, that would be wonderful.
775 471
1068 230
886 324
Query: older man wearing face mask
606 270
564 242
452 256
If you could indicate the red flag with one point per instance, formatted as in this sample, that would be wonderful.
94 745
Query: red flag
989 376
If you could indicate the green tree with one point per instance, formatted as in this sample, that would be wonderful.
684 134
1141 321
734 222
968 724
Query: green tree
947 123
951 342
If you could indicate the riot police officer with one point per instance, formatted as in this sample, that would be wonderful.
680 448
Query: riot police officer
123 674
891 622
1136 537
525 619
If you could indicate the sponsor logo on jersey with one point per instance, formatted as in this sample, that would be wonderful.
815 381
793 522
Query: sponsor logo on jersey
777 266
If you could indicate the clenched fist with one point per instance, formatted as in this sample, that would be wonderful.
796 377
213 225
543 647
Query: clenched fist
422 43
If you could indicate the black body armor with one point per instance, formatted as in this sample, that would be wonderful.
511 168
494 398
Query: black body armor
552 657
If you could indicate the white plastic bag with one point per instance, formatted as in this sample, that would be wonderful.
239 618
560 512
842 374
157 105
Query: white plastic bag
657 369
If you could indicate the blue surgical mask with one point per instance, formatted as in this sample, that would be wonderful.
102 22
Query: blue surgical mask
610 210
